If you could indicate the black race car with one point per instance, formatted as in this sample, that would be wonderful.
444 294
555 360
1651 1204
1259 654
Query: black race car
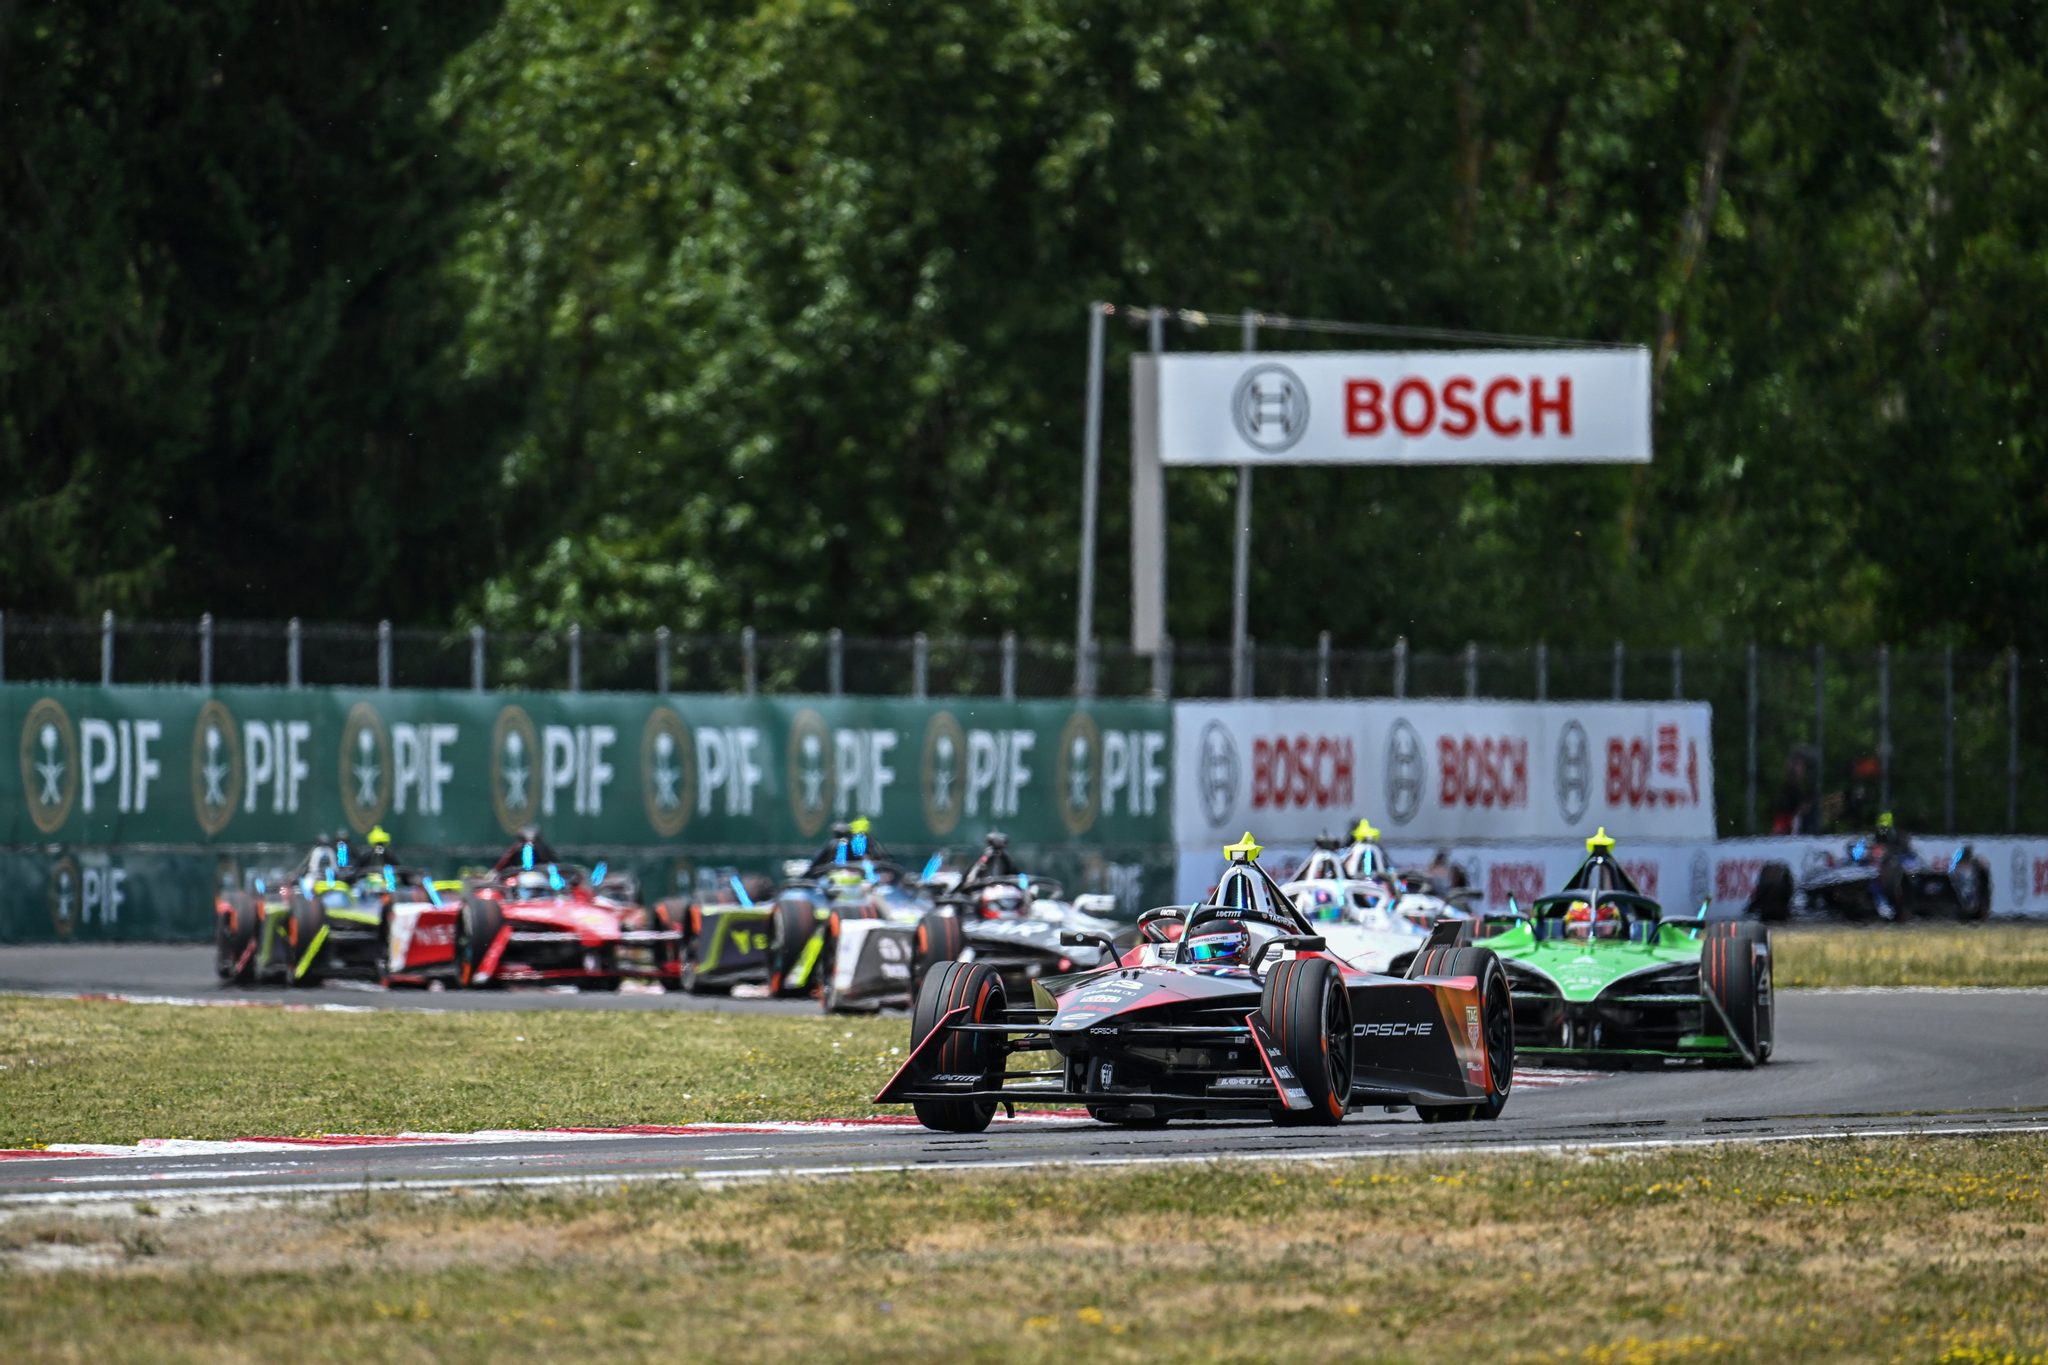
1881 876
1243 1013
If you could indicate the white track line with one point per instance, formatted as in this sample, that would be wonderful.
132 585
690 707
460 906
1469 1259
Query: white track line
593 1181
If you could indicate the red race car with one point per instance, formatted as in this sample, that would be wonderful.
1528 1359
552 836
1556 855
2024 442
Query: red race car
533 919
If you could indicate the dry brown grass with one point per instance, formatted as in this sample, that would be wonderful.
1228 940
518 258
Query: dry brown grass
1873 1251
1912 955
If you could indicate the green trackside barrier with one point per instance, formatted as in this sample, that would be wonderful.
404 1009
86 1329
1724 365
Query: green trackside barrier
137 801
98 895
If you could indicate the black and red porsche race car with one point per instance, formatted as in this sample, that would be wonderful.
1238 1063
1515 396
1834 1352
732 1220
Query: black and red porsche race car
1244 1012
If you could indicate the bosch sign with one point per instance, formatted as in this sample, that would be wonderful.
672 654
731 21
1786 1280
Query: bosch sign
1442 771
1484 772
1302 772
1563 405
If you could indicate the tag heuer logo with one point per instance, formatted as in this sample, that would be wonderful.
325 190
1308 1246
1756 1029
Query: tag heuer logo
1270 408
49 765
216 767
1079 776
811 784
365 767
945 751
668 778
515 783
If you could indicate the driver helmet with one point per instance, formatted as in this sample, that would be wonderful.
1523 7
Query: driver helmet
1223 944
844 880
1319 903
1585 921
380 843
1886 826
1000 902
532 884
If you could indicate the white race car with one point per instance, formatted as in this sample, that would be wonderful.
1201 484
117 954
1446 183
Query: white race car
1372 916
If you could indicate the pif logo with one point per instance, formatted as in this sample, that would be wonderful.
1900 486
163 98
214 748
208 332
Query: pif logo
1079 773
667 775
945 748
810 771
64 884
216 767
515 748
49 764
365 767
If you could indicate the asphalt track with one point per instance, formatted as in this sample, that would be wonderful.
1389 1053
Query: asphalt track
1850 1063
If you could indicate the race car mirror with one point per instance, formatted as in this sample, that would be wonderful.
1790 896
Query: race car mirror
1081 938
1300 943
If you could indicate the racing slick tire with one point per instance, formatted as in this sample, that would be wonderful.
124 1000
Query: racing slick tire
1307 1013
1977 903
689 980
791 927
1430 959
668 915
1497 1025
1771 901
307 919
979 988
1735 974
477 925
940 938
234 931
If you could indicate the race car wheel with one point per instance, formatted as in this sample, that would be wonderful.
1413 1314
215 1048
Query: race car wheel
940 938
1307 1013
1976 903
1735 975
790 930
668 957
235 923
1771 901
476 929
952 985
1497 1029
302 963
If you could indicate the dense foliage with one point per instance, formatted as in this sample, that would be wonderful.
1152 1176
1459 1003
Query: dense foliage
773 313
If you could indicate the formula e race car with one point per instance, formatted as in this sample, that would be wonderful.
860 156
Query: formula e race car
1372 916
1881 876
993 912
1243 1012
821 930
1598 972
533 919
329 917
723 934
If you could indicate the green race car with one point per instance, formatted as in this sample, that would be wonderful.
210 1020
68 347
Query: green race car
1598 973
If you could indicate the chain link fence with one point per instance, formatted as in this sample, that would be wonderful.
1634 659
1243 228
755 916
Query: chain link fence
1803 739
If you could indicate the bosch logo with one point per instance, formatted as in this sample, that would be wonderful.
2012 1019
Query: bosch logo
1483 772
1405 776
1304 771
1393 1030
1574 772
1217 772
1270 408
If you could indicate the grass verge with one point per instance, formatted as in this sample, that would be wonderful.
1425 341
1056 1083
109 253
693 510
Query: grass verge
1821 1251
91 1071
1912 955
